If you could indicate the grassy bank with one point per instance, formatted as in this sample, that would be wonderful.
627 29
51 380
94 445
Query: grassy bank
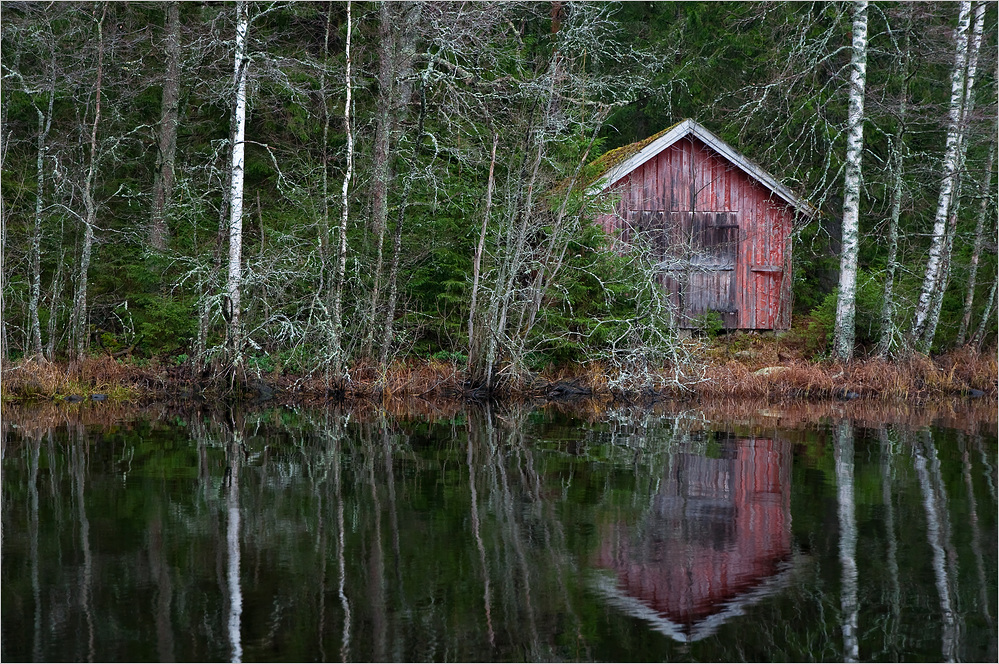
731 367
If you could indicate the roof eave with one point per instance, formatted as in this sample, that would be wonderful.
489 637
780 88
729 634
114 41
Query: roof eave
688 127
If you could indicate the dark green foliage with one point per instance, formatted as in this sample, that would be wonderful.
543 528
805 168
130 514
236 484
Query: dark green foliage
822 318
768 78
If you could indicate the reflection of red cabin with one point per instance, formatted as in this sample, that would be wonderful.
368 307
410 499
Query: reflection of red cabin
718 533
718 226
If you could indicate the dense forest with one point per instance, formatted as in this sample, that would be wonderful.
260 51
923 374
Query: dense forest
301 187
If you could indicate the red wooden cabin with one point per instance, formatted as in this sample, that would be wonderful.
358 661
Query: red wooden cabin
719 225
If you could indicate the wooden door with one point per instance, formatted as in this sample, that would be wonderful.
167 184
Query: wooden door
696 254
714 250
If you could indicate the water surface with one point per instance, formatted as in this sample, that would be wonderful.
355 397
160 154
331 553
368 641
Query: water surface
495 535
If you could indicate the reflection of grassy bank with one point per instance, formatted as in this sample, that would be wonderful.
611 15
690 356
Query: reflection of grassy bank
738 367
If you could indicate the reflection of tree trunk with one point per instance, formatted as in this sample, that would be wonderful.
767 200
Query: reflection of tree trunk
887 470
338 493
321 548
376 562
976 537
847 539
79 473
936 533
473 438
36 589
393 513
232 540
512 530
164 589
990 472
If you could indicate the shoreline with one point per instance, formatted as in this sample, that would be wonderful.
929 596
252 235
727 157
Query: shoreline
960 374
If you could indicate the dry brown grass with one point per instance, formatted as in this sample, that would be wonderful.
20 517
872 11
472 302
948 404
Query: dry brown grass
743 367
39 379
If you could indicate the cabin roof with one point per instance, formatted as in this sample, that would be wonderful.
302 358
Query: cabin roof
617 163
624 601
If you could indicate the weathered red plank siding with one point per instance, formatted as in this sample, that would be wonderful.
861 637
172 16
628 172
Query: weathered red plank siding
690 177
717 529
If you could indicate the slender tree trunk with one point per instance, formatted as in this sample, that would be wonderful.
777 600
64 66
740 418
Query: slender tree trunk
79 317
934 265
324 290
967 107
339 361
979 336
473 343
4 144
237 170
976 251
44 125
393 280
163 175
381 169
889 341
402 68
54 300
846 304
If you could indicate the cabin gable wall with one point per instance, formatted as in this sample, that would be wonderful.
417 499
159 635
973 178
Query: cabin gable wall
691 177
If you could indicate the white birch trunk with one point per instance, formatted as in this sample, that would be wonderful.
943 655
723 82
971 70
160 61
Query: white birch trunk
846 304
934 263
44 125
968 105
236 184
341 263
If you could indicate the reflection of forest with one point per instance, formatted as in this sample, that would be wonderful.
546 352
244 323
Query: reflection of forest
316 535
716 529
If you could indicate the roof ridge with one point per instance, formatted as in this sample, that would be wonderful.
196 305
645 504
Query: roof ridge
615 164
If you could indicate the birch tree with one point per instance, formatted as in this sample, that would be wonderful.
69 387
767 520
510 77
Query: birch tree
846 307
237 170
967 108
934 266
44 126
337 351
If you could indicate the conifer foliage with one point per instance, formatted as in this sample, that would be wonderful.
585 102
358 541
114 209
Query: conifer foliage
251 187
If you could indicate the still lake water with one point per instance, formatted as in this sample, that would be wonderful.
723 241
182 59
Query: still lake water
509 534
